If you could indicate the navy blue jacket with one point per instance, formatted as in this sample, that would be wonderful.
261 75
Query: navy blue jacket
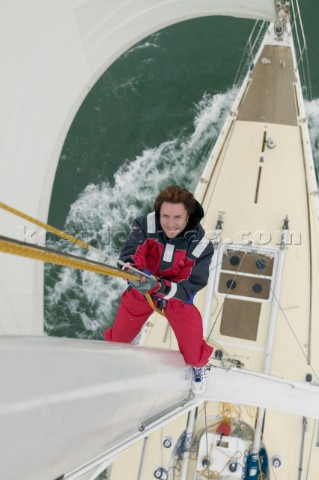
181 263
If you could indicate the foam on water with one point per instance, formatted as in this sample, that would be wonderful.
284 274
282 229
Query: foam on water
103 214
312 110
152 42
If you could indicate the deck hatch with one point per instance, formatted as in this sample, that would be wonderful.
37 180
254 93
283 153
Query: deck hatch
246 274
245 278
244 286
240 319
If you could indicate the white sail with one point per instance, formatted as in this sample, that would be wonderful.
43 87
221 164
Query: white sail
251 388
84 398
52 54
78 399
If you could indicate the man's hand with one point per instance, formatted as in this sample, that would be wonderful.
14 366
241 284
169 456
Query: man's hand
146 284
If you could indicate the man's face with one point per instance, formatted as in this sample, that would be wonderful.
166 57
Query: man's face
173 218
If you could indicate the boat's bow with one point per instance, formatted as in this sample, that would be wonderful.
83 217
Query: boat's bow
259 193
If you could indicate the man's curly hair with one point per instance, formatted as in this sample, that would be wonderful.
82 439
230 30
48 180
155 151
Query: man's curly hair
175 194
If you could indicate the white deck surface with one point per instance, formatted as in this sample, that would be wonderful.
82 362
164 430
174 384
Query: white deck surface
254 188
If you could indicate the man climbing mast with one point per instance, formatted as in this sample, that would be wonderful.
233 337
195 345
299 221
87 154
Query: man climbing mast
170 244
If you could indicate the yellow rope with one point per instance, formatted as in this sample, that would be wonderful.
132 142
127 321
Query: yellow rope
152 304
14 247
47 227
26 250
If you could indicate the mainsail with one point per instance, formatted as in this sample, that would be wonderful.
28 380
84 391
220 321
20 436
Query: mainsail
82 399
64 402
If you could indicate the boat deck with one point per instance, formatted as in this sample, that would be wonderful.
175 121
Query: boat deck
268 100
258 181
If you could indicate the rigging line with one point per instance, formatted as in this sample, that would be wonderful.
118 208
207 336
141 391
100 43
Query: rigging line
65 236
267 280
310 240
312 444
286 318
23 249
302 446
206 437
141 464
243 59
132 274
250 49
48 228
15 247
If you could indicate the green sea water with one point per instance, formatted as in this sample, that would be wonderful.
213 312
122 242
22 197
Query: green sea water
149 121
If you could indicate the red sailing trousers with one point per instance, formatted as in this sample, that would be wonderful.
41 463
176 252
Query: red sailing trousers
184 319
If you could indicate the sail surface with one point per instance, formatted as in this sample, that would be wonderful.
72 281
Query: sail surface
250 388
78 398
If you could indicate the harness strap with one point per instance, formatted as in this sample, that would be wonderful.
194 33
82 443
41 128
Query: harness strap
152 304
